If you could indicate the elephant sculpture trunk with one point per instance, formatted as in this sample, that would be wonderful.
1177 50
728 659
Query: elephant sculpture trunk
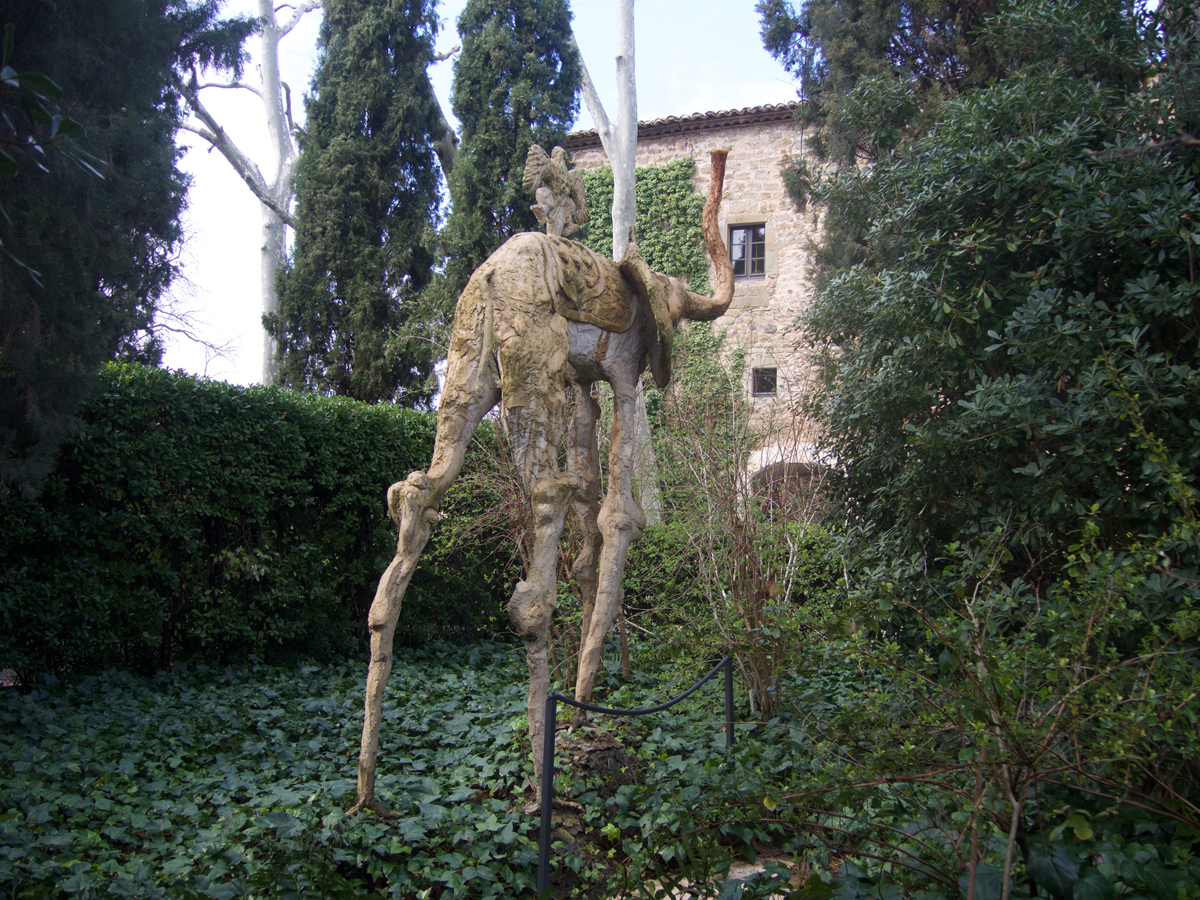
697 307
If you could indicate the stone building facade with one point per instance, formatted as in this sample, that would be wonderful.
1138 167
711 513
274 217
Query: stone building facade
773 239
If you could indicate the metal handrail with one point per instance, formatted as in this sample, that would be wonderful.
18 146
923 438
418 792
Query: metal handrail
548 727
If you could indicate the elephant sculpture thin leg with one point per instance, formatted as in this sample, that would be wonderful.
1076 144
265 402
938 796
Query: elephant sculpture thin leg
583 460
621 521
413 505
540 315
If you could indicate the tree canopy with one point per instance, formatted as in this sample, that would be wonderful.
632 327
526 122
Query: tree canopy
870 69
367 197
1017 349
516 83
1011 371
100 222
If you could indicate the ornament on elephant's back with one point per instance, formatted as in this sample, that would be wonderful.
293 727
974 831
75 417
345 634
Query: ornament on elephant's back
561 204
585 295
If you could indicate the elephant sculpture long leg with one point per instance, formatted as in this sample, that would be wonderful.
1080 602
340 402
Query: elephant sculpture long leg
543 315
472 390
583 460
620 522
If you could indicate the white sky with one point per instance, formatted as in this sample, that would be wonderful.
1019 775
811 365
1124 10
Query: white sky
691 56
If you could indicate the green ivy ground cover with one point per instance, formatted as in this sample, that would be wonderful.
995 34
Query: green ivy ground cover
227 783
223 783
230 783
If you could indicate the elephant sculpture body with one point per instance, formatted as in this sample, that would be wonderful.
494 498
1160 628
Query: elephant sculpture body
542 317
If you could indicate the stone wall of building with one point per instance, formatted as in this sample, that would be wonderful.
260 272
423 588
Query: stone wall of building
762 318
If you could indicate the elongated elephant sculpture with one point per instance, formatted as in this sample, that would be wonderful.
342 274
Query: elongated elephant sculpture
541 317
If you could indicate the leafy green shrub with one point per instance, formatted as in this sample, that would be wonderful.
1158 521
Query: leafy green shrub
1011 373
197 520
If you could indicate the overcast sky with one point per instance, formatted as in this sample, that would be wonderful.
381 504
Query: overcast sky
691 57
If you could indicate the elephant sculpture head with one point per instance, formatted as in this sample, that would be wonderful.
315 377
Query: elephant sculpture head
668 297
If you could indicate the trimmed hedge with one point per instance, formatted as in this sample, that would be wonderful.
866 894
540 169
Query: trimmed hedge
193 519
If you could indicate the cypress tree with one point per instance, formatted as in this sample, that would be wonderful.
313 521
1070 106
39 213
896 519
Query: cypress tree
105 247
516 83
367 195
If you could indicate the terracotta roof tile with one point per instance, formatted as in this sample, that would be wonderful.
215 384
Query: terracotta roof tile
726 118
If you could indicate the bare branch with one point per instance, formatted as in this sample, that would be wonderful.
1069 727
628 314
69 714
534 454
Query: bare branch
237 84
297 14
287 97
242 164
592 99
202 132
1178 142
446 146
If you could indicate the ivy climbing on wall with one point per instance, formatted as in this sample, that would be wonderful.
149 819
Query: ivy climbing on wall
668 217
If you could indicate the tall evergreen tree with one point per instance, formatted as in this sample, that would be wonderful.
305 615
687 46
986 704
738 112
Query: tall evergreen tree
870 70
1019 349
516 83
367 195
105 247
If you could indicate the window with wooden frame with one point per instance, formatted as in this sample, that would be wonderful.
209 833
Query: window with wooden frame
748 250
762 382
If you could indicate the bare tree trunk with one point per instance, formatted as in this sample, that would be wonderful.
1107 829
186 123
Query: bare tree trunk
276 195
279 128
274 252
645 464
626 672
620 146
623 154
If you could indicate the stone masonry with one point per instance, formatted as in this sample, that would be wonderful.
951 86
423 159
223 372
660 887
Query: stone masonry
761 320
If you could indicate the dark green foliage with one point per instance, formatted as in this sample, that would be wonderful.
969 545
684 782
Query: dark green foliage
873 76
210 783
367 195
104 246
195 520
1021 343
37 96
870 70
516 83
1011 381
668 216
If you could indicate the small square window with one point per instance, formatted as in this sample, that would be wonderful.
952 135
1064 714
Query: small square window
762 382
748 250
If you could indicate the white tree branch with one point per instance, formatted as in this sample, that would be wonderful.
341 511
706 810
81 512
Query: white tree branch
203 132
233 85
287 105
625 159
595 107
297 14
242 164
446 145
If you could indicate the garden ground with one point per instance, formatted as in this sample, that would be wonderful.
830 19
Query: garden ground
205 782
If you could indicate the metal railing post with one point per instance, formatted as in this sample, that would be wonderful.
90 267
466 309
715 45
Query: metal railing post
549 725
550 722
728 704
